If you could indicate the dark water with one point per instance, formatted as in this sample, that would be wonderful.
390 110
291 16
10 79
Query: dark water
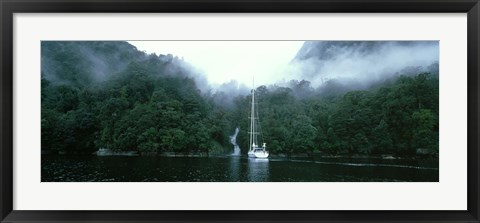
228 169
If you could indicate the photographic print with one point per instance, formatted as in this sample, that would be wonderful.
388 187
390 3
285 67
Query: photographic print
240 111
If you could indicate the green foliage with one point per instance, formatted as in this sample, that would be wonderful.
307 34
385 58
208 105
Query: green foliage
425 129
381 139
150 104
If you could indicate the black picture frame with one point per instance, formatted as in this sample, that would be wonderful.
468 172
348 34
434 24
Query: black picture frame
9 7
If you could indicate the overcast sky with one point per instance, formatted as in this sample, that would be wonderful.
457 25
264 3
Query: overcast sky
222 61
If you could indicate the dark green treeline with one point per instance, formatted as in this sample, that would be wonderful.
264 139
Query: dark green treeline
110 95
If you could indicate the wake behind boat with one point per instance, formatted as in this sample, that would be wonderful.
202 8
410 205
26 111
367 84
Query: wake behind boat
255 151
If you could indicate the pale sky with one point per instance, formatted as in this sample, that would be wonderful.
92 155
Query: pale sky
222 61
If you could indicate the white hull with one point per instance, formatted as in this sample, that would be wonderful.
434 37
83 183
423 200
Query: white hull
258 154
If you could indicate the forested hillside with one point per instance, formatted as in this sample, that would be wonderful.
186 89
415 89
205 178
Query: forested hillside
110 95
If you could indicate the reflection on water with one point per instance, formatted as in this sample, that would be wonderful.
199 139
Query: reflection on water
258 170
235 169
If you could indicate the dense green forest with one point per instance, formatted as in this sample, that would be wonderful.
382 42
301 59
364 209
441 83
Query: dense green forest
110 95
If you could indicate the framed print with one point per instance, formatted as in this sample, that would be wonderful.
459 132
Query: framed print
239 111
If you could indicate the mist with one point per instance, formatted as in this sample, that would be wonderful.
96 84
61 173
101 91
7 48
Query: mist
83 63
223 61
361 62
307 68
332 68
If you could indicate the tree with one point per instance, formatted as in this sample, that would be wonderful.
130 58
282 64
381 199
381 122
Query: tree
381 139
301 135
172 139
425 133
148 141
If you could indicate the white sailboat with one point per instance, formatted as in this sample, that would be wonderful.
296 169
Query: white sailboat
255 151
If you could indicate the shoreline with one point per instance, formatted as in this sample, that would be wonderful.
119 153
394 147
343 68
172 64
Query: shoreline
275 156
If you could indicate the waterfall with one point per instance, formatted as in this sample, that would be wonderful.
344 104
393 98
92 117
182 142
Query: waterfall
233 140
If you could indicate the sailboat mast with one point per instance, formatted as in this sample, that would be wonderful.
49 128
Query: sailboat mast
254 130
253 152
252 118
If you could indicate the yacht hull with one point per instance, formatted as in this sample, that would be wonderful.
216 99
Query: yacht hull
261 154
